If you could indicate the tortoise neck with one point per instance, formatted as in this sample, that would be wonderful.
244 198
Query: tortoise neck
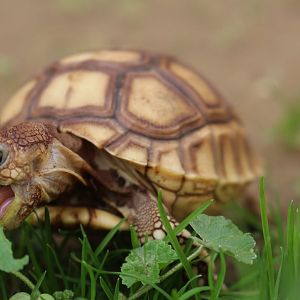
60 170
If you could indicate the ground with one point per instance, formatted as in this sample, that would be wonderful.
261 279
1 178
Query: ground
248 49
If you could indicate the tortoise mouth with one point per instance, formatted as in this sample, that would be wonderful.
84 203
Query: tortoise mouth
7 196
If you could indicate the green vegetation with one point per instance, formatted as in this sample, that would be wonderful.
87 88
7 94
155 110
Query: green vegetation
76 265
288 129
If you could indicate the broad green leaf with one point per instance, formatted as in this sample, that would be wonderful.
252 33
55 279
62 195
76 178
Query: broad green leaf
20 296
25 296
220 234
7 262
147 261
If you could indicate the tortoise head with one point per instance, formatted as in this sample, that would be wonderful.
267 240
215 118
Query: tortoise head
35 168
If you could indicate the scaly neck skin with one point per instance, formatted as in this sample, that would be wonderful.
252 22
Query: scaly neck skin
36 167
54 173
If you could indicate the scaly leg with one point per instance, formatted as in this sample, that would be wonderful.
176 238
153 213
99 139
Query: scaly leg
140 209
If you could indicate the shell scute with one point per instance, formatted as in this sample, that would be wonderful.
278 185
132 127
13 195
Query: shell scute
117 56
76 92
16 103
132 148
197 83
99 132
76 89
152 107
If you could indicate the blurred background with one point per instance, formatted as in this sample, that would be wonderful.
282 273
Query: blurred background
250 50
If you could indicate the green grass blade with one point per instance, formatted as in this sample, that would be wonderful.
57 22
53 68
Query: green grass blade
117 290
211 268
221 276
108 238
3 289
173 238
194 292
24 279
278 278
104 259
290 242
184 223
47 239
134 238
263 282
277 217
148 282
267 239
297 243
106 288
182 290
35 292
89 250
92 289
83 268
33 256
60 267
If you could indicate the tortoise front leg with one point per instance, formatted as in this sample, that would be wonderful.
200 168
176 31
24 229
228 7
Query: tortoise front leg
140 209
72 216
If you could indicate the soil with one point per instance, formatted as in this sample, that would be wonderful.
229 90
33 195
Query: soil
248 49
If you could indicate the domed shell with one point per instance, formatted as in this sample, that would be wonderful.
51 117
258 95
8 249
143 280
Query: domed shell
148 109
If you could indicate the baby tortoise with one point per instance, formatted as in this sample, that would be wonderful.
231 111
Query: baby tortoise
123 124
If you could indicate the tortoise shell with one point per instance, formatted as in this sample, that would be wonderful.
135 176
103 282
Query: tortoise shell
151 111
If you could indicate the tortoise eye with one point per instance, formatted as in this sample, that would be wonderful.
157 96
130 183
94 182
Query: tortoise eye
3 154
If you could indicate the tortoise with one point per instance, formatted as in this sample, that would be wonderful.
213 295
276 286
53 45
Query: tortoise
120 124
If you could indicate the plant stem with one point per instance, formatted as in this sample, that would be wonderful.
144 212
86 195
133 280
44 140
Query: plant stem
147 288
24 279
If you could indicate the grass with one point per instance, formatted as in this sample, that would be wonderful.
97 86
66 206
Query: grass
288 128
87 264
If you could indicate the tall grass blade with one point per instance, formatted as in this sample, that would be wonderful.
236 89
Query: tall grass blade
108 238
185 222
92 289
173 239
134 238
290 242
117 290
193 292
35 292
83 268
106 288
221 276
267 239
297 243
278 278
60 267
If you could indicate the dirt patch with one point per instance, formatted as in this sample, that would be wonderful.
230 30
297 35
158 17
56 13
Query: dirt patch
249 50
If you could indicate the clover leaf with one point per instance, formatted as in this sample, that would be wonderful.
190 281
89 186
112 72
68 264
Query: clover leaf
145 262
7 262
220 234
